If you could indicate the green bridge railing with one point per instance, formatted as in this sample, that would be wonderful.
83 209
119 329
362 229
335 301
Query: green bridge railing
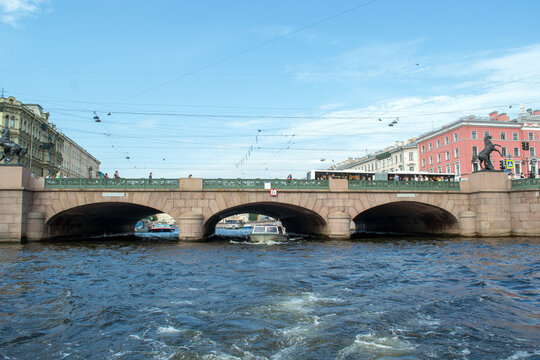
526 184
119 184
260 184
404 185
241 184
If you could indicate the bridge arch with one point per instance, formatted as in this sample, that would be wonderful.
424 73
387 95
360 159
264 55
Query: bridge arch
296 219
410 217
98 218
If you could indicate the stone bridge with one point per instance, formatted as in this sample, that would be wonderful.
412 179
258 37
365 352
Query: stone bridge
487 205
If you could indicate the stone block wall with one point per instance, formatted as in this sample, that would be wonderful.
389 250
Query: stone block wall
525 213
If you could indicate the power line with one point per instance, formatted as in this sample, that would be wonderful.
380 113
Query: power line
237 54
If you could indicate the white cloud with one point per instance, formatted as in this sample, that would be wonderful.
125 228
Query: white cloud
12 11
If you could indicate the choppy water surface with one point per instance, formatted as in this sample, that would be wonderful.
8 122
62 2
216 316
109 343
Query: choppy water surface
154 298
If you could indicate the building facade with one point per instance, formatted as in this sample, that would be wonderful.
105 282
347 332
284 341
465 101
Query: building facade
29 126
76 161
451 148
403 156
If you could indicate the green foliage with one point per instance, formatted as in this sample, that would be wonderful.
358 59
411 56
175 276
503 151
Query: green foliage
253 217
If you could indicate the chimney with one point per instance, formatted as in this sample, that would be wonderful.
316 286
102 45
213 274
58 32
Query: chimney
493 115
503 117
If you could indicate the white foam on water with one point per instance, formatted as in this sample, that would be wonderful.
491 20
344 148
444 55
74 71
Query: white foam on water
168 330
522 355
379 346
305 301
120 354
182 302
219 356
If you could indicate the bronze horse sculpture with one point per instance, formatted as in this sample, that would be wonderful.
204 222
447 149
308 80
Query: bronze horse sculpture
11 148
483 156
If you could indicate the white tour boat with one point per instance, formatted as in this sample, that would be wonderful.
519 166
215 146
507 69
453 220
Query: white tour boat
266 233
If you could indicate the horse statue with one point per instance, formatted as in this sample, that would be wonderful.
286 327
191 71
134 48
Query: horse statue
11 148
483 156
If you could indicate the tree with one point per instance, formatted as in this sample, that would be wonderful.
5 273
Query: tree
253 217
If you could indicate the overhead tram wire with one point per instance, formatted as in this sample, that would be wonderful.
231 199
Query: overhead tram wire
255 47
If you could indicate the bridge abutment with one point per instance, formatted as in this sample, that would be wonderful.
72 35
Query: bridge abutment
339 226
191 227
489 201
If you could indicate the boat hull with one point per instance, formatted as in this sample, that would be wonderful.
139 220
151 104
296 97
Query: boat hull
266 237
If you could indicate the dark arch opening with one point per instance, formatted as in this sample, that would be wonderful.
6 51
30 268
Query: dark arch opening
407 217
97 219
296 219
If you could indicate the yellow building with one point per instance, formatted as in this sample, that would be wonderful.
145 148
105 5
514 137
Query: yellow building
29 127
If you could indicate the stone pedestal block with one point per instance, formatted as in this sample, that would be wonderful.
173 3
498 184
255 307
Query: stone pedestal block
191 227
467 221
339 225
35 225
488 181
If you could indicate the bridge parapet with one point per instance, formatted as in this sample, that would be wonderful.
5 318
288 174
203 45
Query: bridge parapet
261 184
103 183
404 185
524 184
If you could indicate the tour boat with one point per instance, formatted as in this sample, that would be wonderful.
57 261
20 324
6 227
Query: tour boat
233 224
265 233
160 228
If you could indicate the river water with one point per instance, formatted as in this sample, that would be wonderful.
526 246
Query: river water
150 297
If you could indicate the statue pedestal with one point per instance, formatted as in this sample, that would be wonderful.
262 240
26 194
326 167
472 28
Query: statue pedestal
489 201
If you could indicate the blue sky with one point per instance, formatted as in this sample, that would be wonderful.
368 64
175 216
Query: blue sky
263 88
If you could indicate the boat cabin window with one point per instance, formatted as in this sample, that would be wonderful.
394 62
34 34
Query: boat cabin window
271 229
258 229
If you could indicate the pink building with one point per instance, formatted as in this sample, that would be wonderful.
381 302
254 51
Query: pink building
451 148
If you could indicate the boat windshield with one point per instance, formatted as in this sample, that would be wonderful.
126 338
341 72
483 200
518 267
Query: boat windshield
271 229
258 229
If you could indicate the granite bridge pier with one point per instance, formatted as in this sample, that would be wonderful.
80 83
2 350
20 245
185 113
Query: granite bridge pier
488 204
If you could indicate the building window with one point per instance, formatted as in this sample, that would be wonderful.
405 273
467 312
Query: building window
430 146
486 133
438 143
446 141
516 152
515 136
439 157
503 151
448 169
473 134
456 166
411 155
475 150
423 163
531 136
456 153
533 152
447 155
12 122
431 160
439 170
517 168
503 136
401 157
411 168
6 122
455 137
423 149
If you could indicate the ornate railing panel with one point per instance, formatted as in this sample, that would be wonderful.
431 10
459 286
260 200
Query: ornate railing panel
526 184
404 185
120 184
260 184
